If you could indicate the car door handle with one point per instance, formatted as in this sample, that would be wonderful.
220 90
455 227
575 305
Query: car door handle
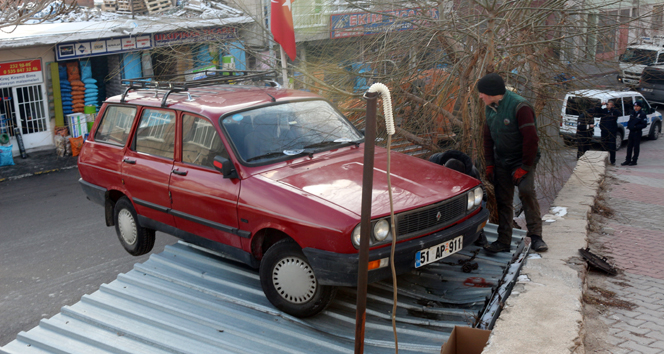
181 173
131 162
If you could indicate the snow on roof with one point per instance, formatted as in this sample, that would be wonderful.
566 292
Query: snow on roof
86 23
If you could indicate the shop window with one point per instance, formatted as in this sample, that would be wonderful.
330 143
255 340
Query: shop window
200 142
156 133
115 125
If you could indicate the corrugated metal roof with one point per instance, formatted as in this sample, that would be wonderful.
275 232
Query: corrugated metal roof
187 300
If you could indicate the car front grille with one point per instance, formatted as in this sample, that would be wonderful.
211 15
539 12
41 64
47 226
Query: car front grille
431 218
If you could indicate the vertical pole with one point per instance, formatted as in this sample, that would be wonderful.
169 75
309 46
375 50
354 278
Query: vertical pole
57 95
284 70
365 220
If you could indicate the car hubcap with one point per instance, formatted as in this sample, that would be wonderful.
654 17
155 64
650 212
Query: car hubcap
294 280
127 226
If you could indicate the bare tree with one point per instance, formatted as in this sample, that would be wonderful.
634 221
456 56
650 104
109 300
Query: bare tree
18 12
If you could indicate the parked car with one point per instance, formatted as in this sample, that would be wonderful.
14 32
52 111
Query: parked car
575 102
270 177
651 85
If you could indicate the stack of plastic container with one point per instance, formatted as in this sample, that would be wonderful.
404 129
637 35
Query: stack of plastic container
65 91
77 87
91 90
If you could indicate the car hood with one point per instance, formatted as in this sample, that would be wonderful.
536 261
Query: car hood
337 178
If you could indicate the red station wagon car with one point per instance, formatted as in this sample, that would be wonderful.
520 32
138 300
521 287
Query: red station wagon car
270 177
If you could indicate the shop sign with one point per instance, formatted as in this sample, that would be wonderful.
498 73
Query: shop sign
193 36
82 49
364 23
21 73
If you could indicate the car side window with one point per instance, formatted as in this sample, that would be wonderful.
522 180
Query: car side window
156 133
628 105
200 142
116 125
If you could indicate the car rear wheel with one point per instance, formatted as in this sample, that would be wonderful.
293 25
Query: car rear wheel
619 140
135 239
655 131
290 283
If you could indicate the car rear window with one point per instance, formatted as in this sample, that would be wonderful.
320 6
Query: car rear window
576 105
116 124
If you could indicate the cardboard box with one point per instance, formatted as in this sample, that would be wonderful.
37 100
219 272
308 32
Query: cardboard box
466 340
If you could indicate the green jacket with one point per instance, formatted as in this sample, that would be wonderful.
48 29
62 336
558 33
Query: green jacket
504 128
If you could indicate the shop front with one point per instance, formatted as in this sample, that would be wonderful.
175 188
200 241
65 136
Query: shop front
24 105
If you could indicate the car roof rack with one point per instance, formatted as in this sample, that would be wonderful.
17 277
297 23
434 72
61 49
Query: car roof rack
178 83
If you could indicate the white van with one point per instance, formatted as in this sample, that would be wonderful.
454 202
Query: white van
624 101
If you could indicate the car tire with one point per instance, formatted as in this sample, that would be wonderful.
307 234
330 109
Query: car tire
135 239
655 131
289 282
619 140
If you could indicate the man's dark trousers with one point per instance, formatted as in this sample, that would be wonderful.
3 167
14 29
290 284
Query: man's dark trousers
633 142
584 138
609 144
504 189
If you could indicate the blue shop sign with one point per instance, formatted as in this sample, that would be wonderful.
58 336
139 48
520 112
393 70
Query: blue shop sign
364 23
106 46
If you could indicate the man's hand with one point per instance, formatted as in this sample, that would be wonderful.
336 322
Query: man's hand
519 175
489 173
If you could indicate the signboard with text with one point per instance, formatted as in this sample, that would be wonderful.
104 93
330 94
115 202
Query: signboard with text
21 73
97 47
200 35
364 23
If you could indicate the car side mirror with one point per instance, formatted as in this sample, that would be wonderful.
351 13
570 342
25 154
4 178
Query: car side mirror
225 166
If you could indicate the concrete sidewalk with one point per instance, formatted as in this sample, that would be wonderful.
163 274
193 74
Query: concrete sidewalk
38 162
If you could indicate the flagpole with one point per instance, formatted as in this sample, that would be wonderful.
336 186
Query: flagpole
284 70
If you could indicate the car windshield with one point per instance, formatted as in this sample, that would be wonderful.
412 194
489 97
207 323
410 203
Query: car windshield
295 128
639 56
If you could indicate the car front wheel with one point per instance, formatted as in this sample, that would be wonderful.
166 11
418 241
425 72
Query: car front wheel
289 282
135 239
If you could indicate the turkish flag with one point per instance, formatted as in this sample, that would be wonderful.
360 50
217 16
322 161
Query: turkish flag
281 18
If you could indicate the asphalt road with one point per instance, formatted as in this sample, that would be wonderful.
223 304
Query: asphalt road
54 248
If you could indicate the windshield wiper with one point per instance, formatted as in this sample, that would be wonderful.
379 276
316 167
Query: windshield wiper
329 143
267 155
282 153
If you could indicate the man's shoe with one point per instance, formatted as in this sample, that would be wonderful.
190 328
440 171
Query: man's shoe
496 247
537 244
625 163
633 163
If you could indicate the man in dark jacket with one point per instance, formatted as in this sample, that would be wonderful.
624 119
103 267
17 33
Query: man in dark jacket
585 125
608 126
637 121
511 153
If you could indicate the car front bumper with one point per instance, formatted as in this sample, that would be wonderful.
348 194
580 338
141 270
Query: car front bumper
341 269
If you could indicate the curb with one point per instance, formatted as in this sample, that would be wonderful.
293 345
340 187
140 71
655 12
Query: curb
13 178
544 314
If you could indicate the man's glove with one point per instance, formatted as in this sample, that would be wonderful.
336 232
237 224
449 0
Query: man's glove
518 176
489 173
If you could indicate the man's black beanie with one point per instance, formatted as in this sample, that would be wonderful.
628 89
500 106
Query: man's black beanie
491 84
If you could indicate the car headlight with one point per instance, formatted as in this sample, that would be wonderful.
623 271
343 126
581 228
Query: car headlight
381 230
471 200
355 236
479 195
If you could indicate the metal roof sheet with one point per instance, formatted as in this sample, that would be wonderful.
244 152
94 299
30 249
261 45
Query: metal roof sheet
188 300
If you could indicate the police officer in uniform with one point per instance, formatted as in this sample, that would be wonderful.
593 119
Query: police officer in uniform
637 121
585 125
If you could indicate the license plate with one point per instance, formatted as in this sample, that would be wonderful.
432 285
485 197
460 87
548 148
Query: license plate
437 252
646 89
